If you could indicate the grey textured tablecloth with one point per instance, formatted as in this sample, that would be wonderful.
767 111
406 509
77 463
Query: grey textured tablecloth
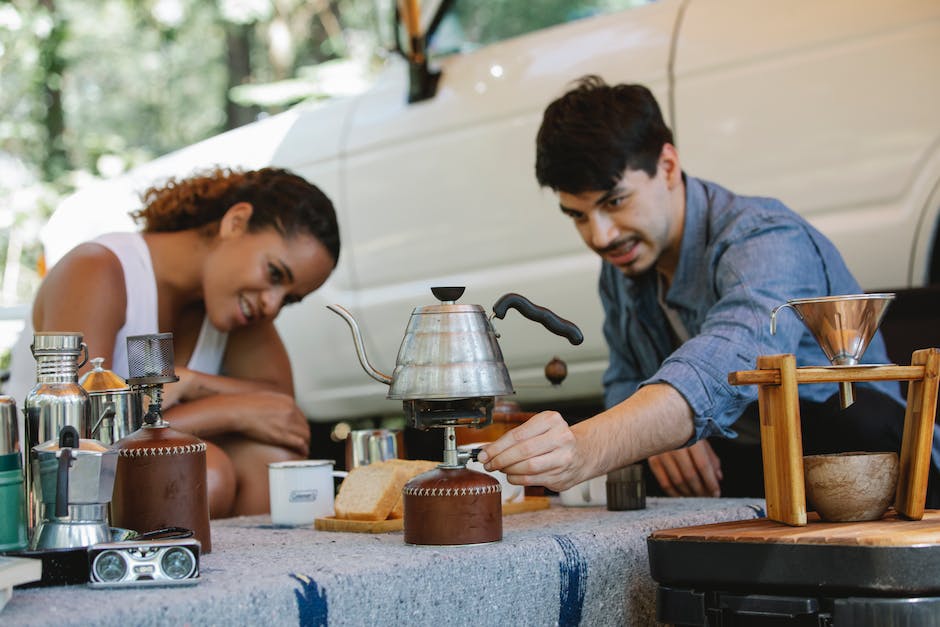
560 566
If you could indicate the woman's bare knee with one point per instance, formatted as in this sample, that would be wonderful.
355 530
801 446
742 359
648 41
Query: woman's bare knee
251 459
221 481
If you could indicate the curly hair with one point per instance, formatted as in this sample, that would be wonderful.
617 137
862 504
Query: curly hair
280 199
594 132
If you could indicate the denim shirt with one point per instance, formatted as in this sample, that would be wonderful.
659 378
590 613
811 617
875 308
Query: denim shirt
740 257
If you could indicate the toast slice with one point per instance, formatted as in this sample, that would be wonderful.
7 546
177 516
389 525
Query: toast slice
370 492
374 492
413 468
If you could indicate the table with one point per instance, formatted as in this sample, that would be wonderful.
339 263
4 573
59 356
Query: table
564 566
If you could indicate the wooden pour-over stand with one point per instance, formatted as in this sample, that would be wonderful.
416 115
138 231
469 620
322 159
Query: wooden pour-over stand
791 567
778 378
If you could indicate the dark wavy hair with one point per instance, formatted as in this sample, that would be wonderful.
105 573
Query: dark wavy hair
594 132
280 199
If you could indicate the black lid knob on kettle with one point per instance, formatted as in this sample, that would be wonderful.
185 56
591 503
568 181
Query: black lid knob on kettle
448 294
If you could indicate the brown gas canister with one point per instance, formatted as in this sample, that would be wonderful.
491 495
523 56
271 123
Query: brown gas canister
452 506
161 482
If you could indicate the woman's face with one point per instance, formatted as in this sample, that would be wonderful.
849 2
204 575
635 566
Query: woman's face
249 276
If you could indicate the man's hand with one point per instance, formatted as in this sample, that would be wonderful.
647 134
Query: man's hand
690 471
541 451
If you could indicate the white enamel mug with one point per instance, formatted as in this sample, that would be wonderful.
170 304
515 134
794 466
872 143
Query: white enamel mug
510 492
586 493
301 491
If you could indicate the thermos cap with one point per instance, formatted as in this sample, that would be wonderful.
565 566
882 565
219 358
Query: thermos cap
59 341
9 433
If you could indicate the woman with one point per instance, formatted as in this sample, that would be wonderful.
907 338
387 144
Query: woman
219 254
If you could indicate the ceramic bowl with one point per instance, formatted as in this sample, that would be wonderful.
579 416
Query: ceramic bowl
850 487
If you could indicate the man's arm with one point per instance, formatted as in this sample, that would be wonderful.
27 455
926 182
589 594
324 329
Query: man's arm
690 471
546 451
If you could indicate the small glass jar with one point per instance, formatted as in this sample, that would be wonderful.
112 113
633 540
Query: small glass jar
626 488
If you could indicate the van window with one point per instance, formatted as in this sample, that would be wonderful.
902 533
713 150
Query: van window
470 24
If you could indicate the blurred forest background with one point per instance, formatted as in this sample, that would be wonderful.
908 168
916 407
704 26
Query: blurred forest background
92 88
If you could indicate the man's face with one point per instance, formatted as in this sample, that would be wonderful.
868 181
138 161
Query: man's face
636 224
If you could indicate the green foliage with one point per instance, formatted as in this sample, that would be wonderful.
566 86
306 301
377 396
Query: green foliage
140 78
94 88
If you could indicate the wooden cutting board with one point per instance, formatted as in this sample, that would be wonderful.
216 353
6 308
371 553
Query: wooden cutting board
528 504
331 523
890 530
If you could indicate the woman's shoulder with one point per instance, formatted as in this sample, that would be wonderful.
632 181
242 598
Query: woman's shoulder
90 259
88 268
89 275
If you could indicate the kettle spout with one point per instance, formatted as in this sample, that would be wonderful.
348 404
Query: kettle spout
378 375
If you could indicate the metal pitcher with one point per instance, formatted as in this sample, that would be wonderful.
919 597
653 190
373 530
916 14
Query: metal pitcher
115 408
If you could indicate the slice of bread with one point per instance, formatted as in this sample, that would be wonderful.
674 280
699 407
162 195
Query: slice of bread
370 492
373 492
413 468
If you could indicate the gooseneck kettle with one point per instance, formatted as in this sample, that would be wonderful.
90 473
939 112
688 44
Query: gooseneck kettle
450 350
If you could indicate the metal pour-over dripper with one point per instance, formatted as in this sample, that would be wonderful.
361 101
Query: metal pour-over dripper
842 325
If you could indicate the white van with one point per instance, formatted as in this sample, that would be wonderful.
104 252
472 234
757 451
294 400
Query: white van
833 107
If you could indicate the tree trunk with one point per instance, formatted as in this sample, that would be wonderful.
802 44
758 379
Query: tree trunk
238 62
52 66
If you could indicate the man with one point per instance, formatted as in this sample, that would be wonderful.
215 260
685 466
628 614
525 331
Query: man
691 273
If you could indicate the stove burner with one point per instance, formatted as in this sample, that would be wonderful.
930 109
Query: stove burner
462 412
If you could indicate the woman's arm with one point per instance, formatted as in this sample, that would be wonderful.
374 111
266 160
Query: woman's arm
254 397
263 416
84 292
255 361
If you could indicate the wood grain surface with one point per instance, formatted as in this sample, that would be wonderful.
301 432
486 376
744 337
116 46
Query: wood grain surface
891 530
830 374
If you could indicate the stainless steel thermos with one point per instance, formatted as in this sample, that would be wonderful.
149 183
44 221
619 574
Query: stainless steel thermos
56 400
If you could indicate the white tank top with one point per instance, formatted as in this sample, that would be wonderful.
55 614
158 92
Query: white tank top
140 286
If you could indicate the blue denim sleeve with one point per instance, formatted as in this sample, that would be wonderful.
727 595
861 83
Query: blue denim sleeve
753 273
621 379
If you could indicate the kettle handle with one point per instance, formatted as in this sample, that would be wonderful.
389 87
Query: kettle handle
549 319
